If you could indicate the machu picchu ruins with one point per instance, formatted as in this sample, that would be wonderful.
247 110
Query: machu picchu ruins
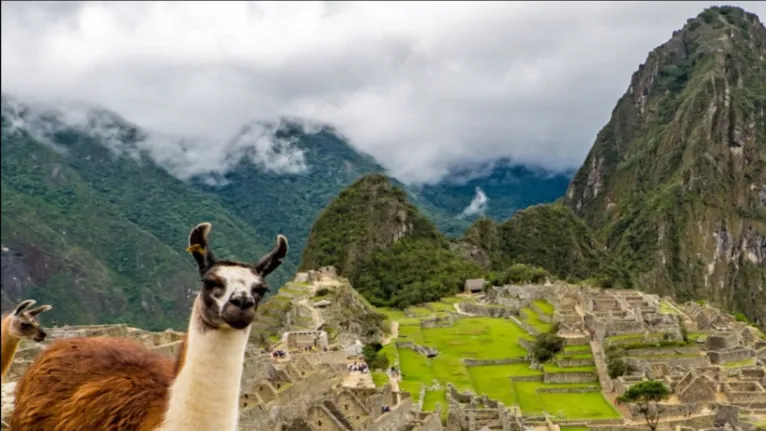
464 363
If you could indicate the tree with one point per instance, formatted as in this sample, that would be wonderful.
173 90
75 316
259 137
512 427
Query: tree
547 345
647 396
617 367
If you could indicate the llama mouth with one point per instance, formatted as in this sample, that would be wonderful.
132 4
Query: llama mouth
239 324
238 319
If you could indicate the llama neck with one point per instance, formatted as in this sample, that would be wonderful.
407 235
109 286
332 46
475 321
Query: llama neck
9 344
205 393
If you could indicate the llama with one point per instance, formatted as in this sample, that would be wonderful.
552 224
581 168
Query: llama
104 383
20 323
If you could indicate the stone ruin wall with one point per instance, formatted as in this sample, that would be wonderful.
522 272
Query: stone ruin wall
570 377
734 355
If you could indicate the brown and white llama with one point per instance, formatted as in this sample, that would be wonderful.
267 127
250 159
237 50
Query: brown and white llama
104 383
19 324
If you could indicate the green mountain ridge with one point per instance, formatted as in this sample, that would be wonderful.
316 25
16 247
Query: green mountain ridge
673 190
389 251
102 236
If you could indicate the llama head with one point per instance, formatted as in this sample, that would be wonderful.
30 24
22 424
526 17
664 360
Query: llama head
230 290
24 323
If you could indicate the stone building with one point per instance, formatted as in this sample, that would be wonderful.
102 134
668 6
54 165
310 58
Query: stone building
474 285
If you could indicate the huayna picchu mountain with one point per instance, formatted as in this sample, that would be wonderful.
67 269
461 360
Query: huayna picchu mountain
389 251
673 190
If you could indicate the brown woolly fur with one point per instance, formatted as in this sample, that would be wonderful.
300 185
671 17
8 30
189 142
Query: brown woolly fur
89 384
108 384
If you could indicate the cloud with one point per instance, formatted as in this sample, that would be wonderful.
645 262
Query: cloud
183 157
478 205
422 86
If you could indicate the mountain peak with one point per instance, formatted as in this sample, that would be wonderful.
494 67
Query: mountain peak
681 165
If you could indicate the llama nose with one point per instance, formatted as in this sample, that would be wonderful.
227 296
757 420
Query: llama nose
40 336
242 301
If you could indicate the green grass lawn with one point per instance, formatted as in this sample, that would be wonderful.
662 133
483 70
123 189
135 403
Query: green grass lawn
576 349
411 387
488 338
389 350
589 405
575 355
415 367
495 382
433 397
420 311
572 428
392 313
442 306
666 308
410 332
544 306
379 378
694 336
530 317
745 363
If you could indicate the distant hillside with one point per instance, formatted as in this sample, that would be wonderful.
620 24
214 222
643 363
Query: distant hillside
99 232
674 188
548 236
389 251
290 202
507 188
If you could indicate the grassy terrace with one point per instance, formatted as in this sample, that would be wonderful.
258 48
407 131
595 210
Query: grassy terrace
552 368
544 306
487 338
577 349
667 308
379 378
533 319
745 363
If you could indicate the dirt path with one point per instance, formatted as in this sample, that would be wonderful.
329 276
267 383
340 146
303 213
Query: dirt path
600 361
394 381
394 333
459 311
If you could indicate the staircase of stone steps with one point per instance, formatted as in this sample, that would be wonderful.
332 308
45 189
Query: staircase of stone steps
600 360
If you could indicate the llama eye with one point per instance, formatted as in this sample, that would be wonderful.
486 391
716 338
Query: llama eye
25 325
260 290
211 284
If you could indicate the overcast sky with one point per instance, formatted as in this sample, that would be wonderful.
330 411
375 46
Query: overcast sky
420 86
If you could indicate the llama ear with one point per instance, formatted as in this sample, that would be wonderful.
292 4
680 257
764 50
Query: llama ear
39 310
23 306
273 259
198 247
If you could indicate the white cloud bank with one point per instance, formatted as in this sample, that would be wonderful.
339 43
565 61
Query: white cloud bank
421 86
478 205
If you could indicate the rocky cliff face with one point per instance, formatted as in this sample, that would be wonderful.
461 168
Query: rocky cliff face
675 184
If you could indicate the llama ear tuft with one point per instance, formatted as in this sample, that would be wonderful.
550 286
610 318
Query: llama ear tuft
198 247
40 309
273 259
23 306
